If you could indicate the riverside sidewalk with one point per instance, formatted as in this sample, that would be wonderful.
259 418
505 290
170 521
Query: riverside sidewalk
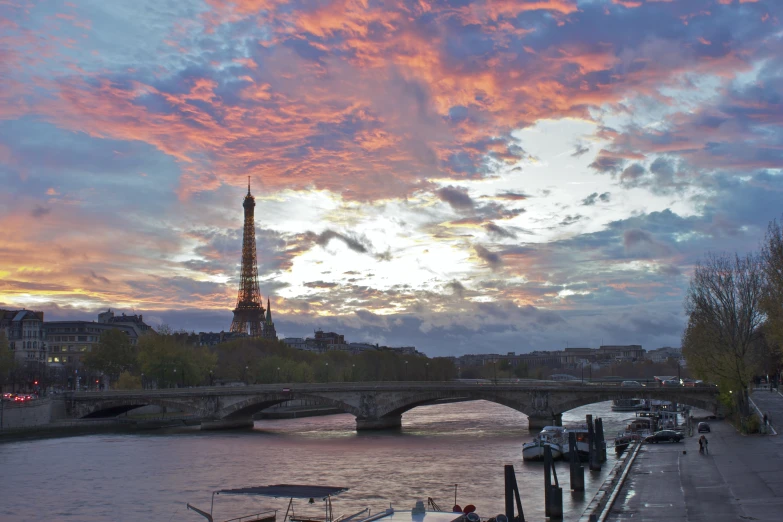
770 403
741 479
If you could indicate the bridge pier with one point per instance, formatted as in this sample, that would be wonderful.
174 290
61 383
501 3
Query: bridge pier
390 422
536 423
226 424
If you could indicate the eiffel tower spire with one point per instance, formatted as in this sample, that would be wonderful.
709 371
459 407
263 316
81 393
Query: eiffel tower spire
249 312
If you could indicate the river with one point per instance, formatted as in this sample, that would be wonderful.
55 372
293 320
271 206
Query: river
151 475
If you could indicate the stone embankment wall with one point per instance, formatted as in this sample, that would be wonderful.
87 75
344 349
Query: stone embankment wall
30 414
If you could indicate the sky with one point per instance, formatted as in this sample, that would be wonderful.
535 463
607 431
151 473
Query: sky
463 177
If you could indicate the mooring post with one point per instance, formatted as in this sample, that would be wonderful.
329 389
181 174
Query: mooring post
600 440
512 495
577 470
553 493
592 454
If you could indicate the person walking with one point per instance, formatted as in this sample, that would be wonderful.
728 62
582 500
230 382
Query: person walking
766 420
706 445
701 444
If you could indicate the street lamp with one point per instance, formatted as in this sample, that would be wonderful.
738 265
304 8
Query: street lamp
175 378
210 377
142 380
405 375
353 372
244 375
277 376
327 372
427 371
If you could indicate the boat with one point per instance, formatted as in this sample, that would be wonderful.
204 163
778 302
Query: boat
582 447
290 491
628 404
637 429
325 493
552 436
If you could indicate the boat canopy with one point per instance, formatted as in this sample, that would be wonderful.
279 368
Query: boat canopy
286 490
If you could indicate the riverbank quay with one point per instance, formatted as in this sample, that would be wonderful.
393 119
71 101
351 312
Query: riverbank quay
607 493
771 403
739 479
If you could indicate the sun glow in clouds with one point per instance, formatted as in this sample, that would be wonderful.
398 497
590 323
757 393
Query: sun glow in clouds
435 175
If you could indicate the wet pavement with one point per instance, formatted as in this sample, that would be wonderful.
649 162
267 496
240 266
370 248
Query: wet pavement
770 403
740 479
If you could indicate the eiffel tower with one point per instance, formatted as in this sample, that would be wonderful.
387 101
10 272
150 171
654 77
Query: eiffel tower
249 312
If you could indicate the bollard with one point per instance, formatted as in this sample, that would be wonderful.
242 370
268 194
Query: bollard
600 440
592 454
512 495
577 470
553 493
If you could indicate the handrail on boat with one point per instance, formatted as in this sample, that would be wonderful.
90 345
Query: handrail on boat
250 517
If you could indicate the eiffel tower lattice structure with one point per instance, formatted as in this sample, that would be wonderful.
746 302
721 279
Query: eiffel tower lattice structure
249 312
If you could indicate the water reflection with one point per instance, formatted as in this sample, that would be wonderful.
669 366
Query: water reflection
150 476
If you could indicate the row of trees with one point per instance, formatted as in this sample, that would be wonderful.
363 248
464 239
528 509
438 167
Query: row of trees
166 359
735 318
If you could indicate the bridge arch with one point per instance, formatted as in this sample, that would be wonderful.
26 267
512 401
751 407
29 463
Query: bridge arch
250 406
116 407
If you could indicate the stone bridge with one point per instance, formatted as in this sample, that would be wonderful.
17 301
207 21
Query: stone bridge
378 405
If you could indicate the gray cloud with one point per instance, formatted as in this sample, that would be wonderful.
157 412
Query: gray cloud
456 288
492 258
320 284
580 149
513 196
327 235
641 243
570 220
632 174
40 211
595 196
669 270
607 164
456 197
499 231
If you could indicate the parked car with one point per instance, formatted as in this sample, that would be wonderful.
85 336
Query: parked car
703 427
631 384
664 436
671 382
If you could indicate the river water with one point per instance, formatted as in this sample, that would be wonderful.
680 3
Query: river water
150 476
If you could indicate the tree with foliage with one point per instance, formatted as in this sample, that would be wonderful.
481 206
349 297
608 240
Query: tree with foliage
113 355
170 362
723 304
772 300
126 381
7 362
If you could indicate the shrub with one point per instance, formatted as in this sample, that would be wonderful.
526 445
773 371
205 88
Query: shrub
752 424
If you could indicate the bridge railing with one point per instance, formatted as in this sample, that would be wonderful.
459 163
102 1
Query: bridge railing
299 388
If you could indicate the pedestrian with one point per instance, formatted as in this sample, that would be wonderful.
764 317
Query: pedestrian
765 419
706 445
701 444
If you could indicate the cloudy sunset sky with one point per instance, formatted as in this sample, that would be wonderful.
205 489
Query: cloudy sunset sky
490 176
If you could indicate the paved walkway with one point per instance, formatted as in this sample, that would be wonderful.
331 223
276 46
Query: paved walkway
741 478
770 403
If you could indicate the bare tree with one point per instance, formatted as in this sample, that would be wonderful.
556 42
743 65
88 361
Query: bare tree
724 308
772 301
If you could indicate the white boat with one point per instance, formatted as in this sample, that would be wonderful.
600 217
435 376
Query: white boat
551 436
307 495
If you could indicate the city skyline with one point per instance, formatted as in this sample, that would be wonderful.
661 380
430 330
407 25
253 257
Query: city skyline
463 178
